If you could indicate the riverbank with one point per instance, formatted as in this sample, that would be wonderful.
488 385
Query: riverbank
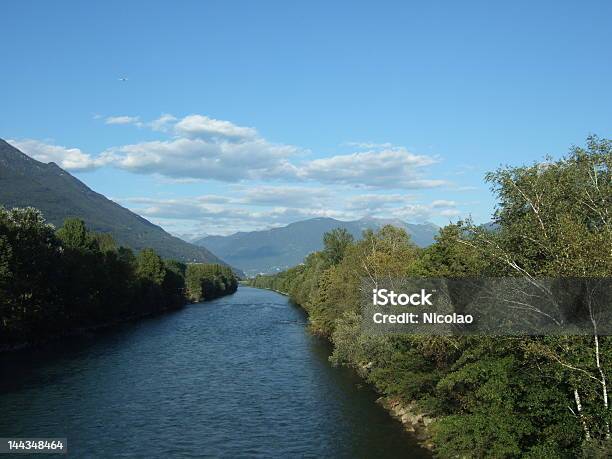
89 330
410 416
413 419
81 331
275 291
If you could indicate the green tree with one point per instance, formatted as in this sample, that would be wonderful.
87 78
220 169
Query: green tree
6 255
335 243
150 267
554 220
105 242
451 256
31 249
52 282
208 281
74 235
5 261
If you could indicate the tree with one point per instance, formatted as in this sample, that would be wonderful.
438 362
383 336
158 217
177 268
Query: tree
105 242
207 281
32 251
52 282
449 257
150 267
74 235
335 243
554 220
6 254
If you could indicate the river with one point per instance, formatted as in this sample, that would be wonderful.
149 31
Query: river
239 376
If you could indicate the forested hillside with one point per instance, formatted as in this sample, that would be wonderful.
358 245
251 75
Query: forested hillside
495 396
54 282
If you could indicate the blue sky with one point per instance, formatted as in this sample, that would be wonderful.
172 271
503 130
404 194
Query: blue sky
244 115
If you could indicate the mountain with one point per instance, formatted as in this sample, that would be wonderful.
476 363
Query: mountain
27 182
280 248
190 237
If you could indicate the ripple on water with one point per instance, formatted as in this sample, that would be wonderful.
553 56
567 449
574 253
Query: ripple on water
235 377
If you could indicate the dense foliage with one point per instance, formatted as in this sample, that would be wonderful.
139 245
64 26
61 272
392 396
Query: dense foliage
540 397
205 282
55 282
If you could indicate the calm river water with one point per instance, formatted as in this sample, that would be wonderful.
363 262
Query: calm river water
235 377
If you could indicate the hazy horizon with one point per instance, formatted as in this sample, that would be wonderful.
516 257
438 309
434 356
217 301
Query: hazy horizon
190 237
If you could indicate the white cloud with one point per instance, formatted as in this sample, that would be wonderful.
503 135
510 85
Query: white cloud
203 126
248 209
223 217
422 212
205 148
205 159
449 213
369 145
443 203
291 196
391 168
162 124
68 158
122 120
464 188
257 159
373 202
197 200
272 184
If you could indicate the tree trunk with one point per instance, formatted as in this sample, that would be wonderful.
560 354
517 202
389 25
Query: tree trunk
587 434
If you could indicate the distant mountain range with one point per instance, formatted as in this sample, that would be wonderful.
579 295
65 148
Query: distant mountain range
27 182
280 248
